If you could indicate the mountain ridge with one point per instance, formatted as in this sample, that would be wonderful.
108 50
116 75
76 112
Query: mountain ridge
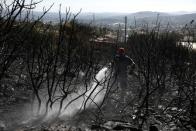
106 18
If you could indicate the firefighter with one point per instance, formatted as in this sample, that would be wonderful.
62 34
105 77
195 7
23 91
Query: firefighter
121 64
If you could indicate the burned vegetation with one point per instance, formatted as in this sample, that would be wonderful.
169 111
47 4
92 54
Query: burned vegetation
54 74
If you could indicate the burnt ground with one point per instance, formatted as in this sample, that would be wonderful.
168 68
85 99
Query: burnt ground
16 115
14 109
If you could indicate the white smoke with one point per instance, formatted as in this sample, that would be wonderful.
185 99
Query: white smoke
91 97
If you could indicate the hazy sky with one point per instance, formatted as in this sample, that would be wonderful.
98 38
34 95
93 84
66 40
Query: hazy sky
121 5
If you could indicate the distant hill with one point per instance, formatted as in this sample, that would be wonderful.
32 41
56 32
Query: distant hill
140 17
145 14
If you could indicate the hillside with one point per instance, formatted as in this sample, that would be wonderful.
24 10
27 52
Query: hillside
140 18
